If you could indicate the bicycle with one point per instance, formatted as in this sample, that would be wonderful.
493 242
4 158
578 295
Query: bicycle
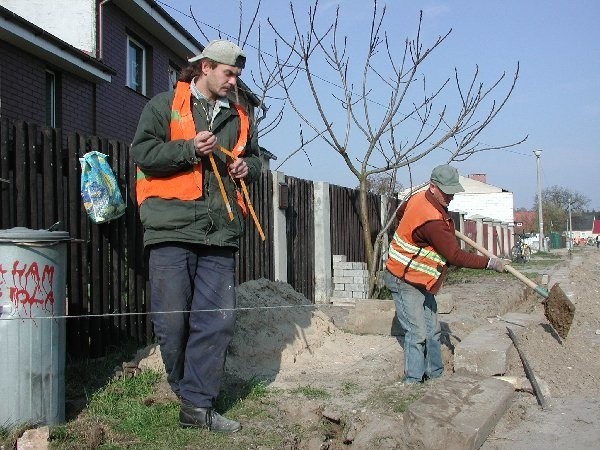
521 252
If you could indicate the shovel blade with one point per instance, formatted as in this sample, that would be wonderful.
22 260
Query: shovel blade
559 311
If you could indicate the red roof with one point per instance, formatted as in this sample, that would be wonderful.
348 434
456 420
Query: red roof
596 227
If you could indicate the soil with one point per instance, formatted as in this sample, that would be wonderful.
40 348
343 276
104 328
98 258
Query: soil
293 345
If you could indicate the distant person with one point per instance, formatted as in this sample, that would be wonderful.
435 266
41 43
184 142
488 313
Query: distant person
598 241
423 247
188 233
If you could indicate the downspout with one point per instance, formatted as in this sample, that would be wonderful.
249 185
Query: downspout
99 52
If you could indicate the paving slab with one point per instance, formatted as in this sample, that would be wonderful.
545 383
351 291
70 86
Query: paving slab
458 412
484 351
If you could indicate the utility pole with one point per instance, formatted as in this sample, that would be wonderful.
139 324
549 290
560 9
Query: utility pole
570 246
537 154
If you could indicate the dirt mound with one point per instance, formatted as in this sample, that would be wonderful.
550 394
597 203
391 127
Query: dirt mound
275 324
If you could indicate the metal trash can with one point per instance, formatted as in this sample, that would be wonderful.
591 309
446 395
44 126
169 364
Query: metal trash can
32 342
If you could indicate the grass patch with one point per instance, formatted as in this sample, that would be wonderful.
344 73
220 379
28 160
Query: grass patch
124 414
397 398
312 393
462 275
349 387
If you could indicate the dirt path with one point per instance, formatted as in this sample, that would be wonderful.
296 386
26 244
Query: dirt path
571 369
337 390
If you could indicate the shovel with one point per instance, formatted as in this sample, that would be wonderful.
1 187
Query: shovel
558 309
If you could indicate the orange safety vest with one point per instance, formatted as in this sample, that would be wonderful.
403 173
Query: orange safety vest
185 185
421 266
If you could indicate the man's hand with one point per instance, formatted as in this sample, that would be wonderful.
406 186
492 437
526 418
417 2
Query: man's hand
238 168
204 143
497 264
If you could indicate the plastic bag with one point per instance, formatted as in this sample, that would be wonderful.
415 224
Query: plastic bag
99 190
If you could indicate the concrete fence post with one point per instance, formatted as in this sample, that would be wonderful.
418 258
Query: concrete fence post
322 211
479 231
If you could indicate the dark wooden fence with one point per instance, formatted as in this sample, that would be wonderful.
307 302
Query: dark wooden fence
300 219
346 230
106 297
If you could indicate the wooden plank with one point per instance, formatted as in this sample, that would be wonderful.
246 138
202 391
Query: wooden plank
49 194
132 250
32 151
75 336
6 171
21 176
86 250
121 151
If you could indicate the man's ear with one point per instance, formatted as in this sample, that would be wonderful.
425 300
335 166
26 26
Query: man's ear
204 66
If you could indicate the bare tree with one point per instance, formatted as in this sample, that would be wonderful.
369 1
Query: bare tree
384 144
555 203
266 76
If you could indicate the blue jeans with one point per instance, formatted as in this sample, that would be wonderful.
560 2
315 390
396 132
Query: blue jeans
416 310
185 278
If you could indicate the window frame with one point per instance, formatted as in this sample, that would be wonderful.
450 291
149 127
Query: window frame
50 97
130 78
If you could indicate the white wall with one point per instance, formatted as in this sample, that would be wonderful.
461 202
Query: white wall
73 21
497 206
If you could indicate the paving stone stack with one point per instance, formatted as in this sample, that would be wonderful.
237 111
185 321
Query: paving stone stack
350 280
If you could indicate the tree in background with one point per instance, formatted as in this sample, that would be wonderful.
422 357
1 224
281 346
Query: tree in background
555 207
390 117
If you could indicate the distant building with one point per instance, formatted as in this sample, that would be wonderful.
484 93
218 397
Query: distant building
525 221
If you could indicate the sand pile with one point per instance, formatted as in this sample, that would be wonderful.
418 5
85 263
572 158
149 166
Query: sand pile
275 324
278 325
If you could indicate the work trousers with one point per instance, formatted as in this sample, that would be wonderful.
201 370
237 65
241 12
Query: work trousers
192 295
416 310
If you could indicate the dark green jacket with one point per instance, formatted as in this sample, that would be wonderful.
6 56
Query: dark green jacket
202 221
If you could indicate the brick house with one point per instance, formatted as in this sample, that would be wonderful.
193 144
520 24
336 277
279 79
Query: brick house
88 66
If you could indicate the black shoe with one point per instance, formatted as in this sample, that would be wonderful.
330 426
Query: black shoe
193 417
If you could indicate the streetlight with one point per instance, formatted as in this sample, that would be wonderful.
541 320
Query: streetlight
537 154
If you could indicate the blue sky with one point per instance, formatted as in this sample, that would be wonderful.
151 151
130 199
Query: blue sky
556 101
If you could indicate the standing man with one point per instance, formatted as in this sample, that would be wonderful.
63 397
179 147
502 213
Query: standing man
423 246
187 229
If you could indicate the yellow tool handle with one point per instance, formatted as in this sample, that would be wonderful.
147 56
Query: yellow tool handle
221 187
252 213
246 195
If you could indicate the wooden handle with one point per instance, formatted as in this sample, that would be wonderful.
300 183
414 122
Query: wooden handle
246 195
508 267
221 187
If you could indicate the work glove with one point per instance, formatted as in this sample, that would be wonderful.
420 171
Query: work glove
497 264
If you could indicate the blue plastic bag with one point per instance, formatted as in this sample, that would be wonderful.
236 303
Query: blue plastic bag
99 190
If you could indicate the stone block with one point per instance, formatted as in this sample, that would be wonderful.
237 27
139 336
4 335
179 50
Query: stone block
457 413
338 258
484 351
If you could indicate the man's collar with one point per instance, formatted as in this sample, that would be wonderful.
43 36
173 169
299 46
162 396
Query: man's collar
223 102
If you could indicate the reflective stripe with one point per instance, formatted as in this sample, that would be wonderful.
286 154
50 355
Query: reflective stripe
420 251
421 266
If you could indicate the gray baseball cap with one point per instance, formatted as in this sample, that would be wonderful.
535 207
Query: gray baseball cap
223 52
446 178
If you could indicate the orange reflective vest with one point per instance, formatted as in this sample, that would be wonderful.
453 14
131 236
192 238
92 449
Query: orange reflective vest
185 185
421 266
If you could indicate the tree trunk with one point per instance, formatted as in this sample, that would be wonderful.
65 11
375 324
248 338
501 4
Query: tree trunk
363 208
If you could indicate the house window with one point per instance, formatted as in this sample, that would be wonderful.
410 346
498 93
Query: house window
50 98
136 66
